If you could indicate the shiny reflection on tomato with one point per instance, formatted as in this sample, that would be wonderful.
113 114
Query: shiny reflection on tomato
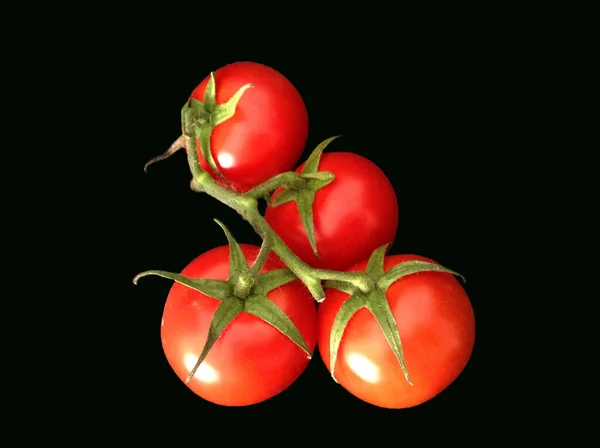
363 367
225 160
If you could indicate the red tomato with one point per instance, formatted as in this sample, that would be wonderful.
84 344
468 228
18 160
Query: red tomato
353 215
251 361
437 329
267 133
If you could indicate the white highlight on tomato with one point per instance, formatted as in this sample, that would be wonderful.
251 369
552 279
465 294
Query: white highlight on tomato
363 367
205 372
225 160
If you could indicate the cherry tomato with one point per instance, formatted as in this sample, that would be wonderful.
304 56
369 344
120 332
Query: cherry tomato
437 328
353 215
267 133
251 361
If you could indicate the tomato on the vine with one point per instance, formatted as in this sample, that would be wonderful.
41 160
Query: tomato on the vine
268 131
353 215
436 325
251 361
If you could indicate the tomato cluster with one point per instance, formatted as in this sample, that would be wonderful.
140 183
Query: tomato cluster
239 327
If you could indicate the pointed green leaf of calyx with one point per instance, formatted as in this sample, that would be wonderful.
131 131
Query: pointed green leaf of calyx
195 111
204 131
226 311
210 94
374 268
238 265
262 307
305 202
193 114
287 195
380 308
340 286
410 267
312 163
319 181
305 196
226 110
319 175
187 118
347 310
272 280
324 177
217 289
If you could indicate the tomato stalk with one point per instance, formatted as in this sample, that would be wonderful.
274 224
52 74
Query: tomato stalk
263 254
175 146
247 207
195 117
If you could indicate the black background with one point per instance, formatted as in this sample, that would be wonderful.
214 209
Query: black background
429 110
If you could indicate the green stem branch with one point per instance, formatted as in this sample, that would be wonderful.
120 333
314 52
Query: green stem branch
263 254
247 207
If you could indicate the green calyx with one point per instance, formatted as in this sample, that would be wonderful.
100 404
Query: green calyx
198 119
303 188
244 291
376 302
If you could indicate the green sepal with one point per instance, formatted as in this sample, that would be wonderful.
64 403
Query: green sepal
261 306
204 131
374 269
238 265
210 94
322 176
345 313
312 163
305 202
224 314
376 302
216 289
273 279
194 111
319 180
287 195
378 305
225 111
411 267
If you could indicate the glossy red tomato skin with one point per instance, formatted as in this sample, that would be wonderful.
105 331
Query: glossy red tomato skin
353 215
268 132
437 329
251 361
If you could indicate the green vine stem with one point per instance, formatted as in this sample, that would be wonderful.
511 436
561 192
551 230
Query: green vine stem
247 206
280 180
